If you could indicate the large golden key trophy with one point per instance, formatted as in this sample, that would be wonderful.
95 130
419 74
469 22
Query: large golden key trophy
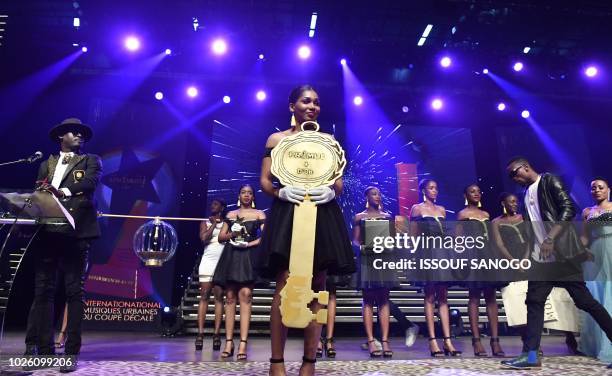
308 160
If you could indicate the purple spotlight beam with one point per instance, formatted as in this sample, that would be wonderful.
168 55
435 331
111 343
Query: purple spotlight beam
437 104
501 106
358 100
525 114
260 95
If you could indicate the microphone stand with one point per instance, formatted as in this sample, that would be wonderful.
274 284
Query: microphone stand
22 160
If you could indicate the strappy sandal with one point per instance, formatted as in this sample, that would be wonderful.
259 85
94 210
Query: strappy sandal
227 354
499 353
242 356
435 354
375 353
386 353
480 354
447 351
199 342
319 353
330 350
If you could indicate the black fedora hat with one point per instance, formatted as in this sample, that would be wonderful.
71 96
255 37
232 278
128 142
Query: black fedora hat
70 125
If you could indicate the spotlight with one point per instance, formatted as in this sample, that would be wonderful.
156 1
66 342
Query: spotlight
84 49
485 71
437 104
342 61
526 50
168 51
304 52
132 43
518 66
76 22
590 71
525 114
219 47
226 99
261 56
358 100
261 95
192 91
501 106
445 62
456 322
159 95
169 321
405 109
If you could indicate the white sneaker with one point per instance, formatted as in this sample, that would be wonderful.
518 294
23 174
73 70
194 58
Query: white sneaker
411 335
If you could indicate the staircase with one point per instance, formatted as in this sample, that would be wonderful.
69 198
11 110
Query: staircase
348 312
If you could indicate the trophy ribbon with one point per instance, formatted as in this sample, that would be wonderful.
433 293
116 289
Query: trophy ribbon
308 159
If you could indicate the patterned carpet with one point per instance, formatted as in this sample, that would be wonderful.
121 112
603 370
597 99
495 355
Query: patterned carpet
574 366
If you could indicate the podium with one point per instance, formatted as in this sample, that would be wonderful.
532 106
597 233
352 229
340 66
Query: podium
22 216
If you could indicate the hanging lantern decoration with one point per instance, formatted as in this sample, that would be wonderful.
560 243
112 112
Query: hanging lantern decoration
155 242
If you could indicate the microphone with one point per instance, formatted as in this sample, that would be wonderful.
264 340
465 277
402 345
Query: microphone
34 157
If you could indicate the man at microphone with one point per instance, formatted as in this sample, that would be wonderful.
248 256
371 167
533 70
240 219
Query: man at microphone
72 177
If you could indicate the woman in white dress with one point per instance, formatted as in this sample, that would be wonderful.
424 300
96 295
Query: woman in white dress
209 234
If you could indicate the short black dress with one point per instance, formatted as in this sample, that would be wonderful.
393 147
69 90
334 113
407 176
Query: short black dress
514 236
238 265
430 228
369 277
333 252
482 277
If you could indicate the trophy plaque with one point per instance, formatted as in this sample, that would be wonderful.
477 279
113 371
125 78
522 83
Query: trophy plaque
308 159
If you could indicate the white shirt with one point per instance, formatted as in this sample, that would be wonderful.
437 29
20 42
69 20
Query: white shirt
533 209
60 169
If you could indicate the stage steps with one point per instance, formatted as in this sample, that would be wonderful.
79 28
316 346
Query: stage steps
408 298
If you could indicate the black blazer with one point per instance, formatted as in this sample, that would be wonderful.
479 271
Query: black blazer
557 207
81 178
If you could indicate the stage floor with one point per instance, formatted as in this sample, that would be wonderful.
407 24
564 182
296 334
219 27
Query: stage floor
106 353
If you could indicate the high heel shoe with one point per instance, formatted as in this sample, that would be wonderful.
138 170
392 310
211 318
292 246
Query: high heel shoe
319 353
227 354
386 353
199 342
375 353
435 354
330 351
499 353
216 342
447 351
475 341
242 356
61 340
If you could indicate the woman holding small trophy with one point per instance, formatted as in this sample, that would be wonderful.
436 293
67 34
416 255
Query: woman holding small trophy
236 268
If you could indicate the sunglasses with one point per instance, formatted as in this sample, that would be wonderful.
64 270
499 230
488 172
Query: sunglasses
514 172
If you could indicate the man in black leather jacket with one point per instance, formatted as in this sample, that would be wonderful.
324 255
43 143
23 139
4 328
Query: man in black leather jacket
556 255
